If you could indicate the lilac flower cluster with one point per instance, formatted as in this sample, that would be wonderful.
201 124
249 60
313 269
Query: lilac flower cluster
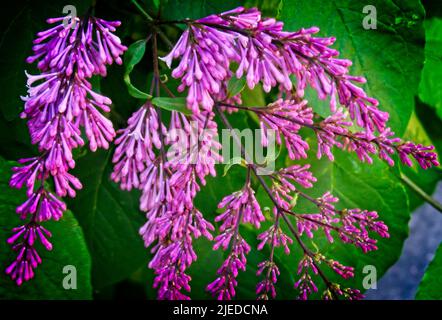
265 53
286 118
169 180
170 161
334 131
352 225
240 207
60 106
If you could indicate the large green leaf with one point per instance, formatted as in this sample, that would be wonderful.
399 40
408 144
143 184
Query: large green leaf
390 56
430 88
110 219
269 8
69 248
430 287
181 9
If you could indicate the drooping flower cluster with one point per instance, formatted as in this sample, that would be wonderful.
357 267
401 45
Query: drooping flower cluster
334 131
268 54
60 106
240 207
169 162
169 180
286 118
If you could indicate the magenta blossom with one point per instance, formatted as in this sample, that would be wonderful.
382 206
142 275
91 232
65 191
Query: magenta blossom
62 110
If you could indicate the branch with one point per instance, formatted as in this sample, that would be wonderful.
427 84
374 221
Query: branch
433 202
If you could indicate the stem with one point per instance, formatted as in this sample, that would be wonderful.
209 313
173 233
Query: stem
226 122
166 88
184 21
143 12
157 81
433 202
163 37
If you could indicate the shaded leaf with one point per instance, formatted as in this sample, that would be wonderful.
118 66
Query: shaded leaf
110 219
235 86
69 248
132 57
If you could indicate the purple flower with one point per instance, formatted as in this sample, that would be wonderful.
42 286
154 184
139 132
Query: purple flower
275 237
267 54
205 57
347 293
135 147
169 181
286 118
420 153
296 173
23 241
267 286
85 49
344 271
305 284
60 106
43 205
243 201
239 207
331 128
223 288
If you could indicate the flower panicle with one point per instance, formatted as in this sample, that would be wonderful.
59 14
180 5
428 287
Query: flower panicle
60 106
266 54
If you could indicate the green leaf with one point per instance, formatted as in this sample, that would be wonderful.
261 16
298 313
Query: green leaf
430 287
430 88
69 248
389 57
253 98
110 219
156 3
18 25
235 86
132 57
172 104
269 8
195 9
